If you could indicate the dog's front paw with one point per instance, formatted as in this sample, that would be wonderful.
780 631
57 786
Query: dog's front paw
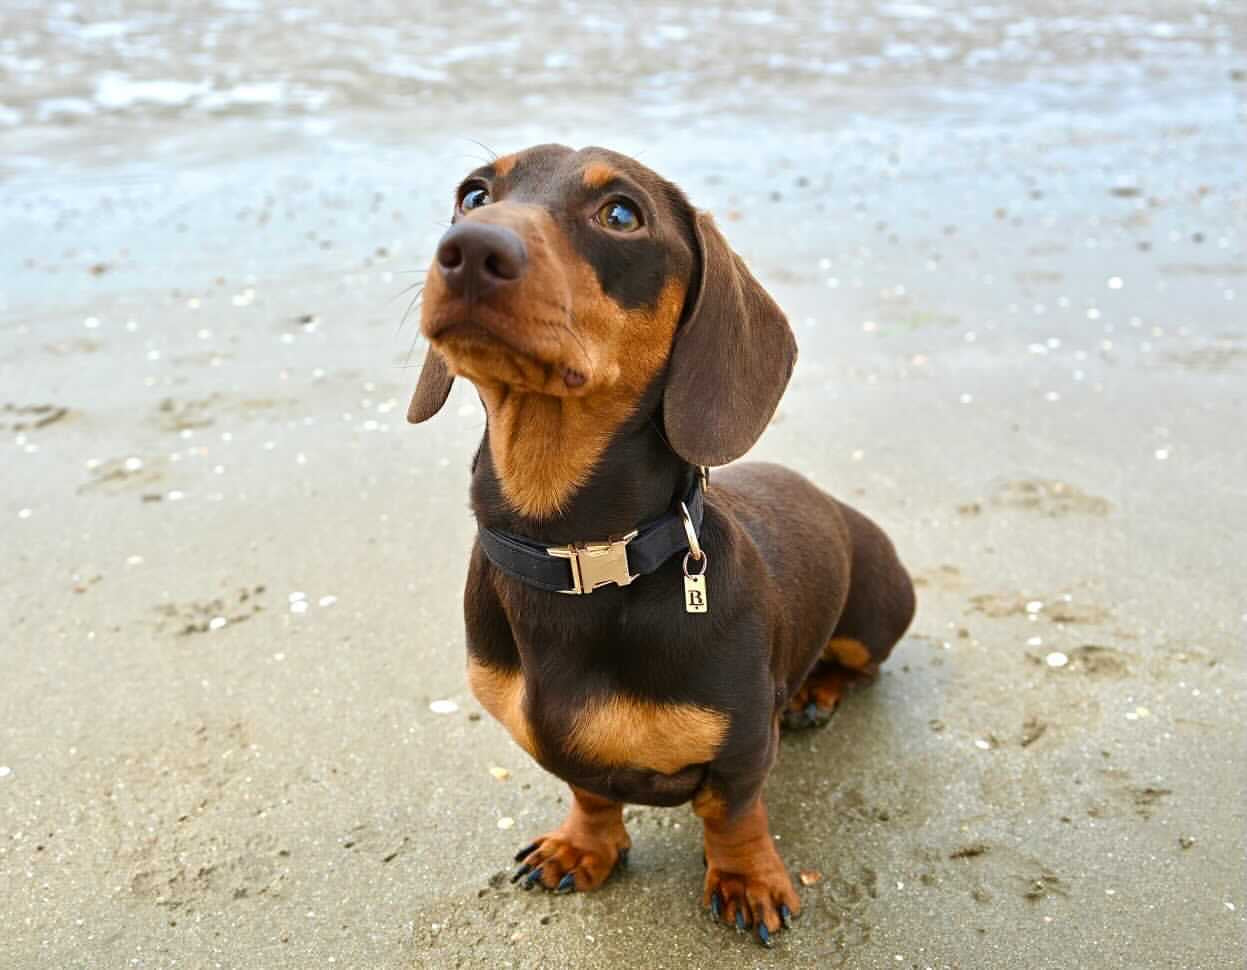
582 852
571 861
761 899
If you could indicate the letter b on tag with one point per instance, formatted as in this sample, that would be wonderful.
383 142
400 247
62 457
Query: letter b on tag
695 594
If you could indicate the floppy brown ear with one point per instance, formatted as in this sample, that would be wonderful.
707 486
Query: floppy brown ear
730 362
432 389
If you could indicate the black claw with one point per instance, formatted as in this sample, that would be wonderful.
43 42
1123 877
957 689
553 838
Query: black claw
764 935
526 851
716 907
623 857
521 871
532 878
740 922
785 916
567 884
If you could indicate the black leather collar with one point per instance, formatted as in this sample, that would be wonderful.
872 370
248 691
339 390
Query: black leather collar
583 567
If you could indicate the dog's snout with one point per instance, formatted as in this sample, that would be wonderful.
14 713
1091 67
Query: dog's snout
476 258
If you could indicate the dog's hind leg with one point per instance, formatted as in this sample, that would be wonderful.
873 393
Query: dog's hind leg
878 610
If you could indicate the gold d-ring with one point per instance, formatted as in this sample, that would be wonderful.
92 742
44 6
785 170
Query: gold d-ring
694 546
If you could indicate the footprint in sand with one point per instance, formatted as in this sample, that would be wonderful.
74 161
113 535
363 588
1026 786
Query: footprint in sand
1215 358
1056 609
206 616
175 415
31 417
944 576
118 475
1090 659
1047 497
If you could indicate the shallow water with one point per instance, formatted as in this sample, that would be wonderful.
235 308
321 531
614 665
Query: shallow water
93 72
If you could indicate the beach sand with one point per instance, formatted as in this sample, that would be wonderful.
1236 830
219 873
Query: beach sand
231 588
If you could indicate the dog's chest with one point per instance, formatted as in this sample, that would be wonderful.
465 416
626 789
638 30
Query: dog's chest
605 729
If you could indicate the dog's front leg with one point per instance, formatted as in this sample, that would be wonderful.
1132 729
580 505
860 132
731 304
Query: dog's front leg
747 884
582 852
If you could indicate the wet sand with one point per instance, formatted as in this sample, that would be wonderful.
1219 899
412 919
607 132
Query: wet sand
232 585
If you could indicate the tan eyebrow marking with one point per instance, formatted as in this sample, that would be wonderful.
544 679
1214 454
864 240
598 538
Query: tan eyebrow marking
597 174
503 165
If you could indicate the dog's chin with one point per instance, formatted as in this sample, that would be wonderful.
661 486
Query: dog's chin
490 359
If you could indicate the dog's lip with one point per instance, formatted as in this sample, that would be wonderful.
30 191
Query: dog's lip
475 329
575 375
464 326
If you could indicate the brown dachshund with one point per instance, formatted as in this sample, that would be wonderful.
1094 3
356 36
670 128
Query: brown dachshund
620 349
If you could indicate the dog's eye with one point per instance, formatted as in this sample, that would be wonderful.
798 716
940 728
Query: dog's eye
474 198
620 216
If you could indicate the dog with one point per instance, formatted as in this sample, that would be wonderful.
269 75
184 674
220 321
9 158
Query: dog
641 628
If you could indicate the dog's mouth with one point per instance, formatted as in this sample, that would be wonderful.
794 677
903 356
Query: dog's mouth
484 344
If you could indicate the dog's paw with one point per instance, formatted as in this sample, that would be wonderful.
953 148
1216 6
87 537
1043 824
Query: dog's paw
566 862
761 902
797 717
817 699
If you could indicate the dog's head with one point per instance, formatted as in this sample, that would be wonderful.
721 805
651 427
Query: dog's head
584 276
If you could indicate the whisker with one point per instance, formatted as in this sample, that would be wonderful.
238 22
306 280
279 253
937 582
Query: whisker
493 155
403 322
407 364
407 289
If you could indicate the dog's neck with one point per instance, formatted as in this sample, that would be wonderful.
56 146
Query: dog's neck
635 479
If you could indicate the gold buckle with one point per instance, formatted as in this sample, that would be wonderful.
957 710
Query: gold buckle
595 564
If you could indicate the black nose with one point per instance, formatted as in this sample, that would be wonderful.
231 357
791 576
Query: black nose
476 258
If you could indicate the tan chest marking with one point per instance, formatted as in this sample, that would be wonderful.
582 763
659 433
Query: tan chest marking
501 692
615 732
621 731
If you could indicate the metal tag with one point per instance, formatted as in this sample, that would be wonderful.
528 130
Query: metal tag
695 594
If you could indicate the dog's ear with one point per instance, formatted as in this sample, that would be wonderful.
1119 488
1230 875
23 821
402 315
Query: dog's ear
731 360
432 389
